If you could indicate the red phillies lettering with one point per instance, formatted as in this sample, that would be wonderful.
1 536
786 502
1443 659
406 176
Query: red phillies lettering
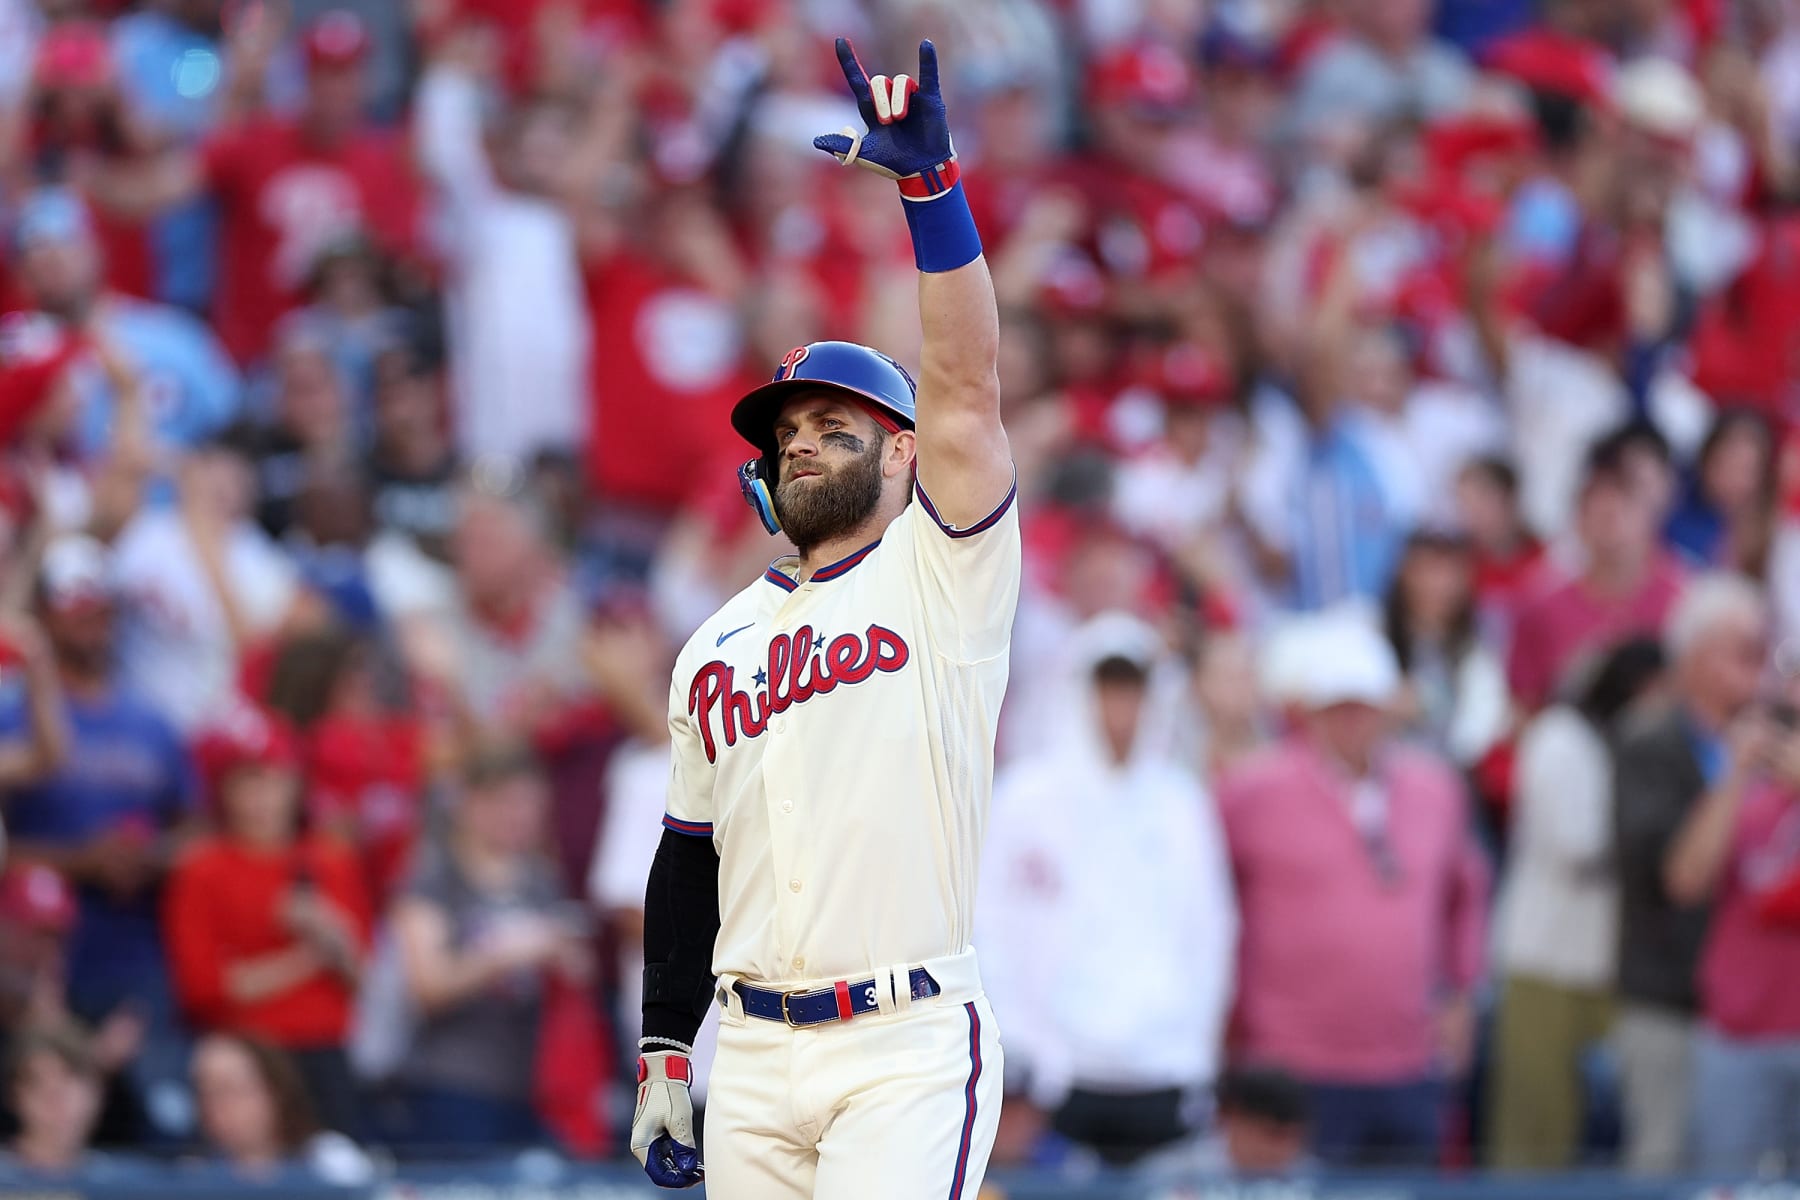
801 665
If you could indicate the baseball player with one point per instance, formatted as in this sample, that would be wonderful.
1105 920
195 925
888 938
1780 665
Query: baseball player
833 737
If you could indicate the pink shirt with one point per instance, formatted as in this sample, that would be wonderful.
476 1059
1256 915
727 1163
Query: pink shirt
1340 965
1750 968
1568 620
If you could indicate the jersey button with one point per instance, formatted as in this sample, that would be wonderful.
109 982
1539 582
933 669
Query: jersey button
793 885
787 806
777 724
799 963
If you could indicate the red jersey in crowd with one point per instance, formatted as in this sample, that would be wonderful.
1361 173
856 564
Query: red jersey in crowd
665 372
224 906
1752 954
368 775
283 197
1568 621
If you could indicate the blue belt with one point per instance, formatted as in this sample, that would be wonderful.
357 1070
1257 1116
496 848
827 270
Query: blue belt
839 1002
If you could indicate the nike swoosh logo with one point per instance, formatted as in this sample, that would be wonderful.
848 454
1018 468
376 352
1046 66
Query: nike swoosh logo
732 634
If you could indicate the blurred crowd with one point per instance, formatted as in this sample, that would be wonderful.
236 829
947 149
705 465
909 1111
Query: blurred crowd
1400 765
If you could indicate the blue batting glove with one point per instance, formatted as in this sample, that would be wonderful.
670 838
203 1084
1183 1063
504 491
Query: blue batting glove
908 131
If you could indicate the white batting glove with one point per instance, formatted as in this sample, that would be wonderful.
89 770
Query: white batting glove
662 1129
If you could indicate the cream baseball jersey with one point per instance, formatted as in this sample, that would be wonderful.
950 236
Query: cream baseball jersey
835 739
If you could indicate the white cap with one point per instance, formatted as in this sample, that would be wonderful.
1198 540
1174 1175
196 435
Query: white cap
75 567
1348 661
1660 97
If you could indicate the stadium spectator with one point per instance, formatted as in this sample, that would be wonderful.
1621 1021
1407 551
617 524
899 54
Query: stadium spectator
1726 517
257 1119
1232 721
110 820
1747 1050
1051 888
1454 693
517 317
1261 1121
200 586
1507 555
478 925
367 750
1381 65
412 466
1679 780
288 188
267 927
309 427
189 385
1362 900
55 1086
1556 921
1625 583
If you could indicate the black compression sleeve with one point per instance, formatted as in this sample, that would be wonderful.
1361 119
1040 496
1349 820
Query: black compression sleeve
681 923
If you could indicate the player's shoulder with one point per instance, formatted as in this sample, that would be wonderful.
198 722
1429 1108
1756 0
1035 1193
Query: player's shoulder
732 617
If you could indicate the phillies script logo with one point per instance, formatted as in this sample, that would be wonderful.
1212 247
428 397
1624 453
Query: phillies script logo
801 666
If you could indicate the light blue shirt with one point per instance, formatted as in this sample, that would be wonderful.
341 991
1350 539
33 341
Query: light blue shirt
1347 535
190 386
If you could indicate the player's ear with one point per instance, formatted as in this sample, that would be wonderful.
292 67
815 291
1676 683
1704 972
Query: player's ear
902 450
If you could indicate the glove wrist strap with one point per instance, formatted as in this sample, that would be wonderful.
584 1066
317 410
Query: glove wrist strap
932 182
944 236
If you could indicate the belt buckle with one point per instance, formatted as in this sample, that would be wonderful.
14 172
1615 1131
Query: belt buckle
786 1017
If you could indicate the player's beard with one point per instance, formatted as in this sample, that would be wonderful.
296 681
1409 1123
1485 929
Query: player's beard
835 502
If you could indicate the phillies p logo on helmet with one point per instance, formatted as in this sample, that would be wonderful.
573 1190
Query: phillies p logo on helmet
792 359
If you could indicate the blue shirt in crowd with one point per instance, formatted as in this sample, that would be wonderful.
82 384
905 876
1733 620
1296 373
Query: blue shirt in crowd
126 766
190 385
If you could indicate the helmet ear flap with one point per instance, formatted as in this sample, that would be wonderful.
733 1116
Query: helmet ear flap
753 481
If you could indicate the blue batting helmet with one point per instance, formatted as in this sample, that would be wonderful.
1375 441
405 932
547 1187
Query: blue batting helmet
869 375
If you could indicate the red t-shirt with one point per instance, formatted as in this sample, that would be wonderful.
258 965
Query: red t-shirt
1749 968
665 375
1562 624
282 198
223 906
368 775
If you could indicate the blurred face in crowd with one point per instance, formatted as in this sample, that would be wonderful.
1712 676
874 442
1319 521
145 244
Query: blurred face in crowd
1107 572
1014 126
408 413
1734 476
62 274
1486 507
1616 523
1259 1146
507 815
1119 689
57 1103
835 465
237 1109
80 632
1393 25
1379 376
1722 671
496 550
535 147
1437 579
334 98
788 311
1351 732
217 481
262 803
312 401
1225 681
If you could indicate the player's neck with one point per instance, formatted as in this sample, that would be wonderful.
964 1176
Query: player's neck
844 545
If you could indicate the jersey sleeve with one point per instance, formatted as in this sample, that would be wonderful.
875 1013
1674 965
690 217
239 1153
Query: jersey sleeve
689 809
969 576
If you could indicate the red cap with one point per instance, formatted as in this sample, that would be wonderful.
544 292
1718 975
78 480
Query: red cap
35 349
32 894
75 54
1147 76
249 736
1189 376
1548 61
337 39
